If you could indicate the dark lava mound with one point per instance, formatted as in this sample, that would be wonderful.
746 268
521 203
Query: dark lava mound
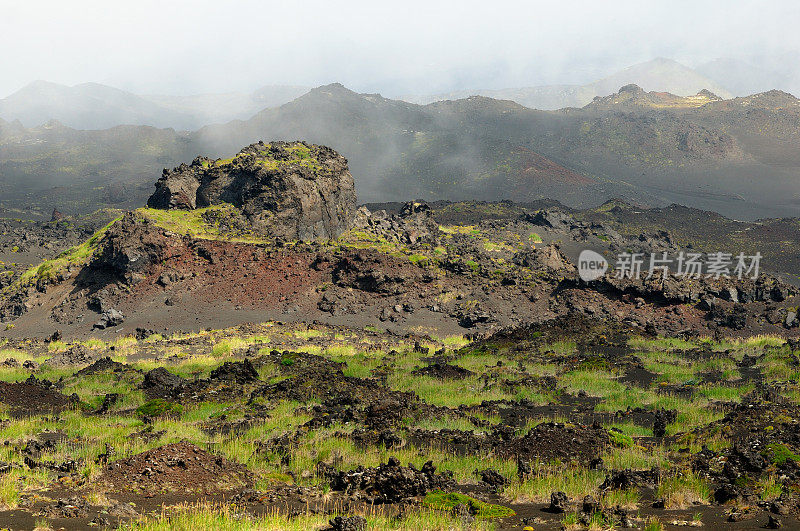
443 371
33 397
178 467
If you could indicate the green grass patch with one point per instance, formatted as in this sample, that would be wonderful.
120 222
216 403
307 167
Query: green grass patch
779 454
158 407
448 500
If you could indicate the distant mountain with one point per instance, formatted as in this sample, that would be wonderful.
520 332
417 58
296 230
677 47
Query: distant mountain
85 106
743 78
739 157
208 109
634 96
95 106
661 75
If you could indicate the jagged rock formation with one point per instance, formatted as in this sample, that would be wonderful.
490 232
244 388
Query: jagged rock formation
413 224
290 190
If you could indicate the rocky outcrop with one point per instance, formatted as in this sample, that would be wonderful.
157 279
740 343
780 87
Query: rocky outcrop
131 246
388 483
413 225
289 190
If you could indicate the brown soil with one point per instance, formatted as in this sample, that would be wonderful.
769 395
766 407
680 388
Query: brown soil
553 440
33 397
178 467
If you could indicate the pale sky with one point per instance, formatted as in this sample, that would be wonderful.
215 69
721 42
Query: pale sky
183 47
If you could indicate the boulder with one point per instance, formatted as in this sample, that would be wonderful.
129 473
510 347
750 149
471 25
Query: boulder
590 505
160 383
110 318
288 190
347 523
559 503
388 483
130 246
241 372
551 219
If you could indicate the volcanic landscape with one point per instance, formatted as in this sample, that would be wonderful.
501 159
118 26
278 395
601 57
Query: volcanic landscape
252 349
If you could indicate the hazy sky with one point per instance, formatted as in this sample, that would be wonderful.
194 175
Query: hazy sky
183 47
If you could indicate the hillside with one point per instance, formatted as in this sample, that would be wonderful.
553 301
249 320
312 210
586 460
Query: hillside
189 350
653 148
275 232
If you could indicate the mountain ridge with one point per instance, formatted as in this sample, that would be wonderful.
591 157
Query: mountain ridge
659 75
697 151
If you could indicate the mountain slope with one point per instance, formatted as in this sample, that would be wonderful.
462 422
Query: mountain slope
738 157
207 109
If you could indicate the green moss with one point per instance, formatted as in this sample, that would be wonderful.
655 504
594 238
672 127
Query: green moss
620 439
158 407
447 500
300 156
779 454
78 255
594 364
418 258
209 223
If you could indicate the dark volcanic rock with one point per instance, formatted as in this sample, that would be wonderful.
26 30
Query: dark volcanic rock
130 246
443 371
559 503
101 365
347 523
160 383
389 483
290 190
552 440
493 478
241 372
109 319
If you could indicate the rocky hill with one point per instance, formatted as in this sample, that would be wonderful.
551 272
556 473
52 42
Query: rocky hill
634 96
273 234
287 190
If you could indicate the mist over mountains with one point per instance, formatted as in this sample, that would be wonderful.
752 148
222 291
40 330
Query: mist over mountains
669 138
96 106
662 75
